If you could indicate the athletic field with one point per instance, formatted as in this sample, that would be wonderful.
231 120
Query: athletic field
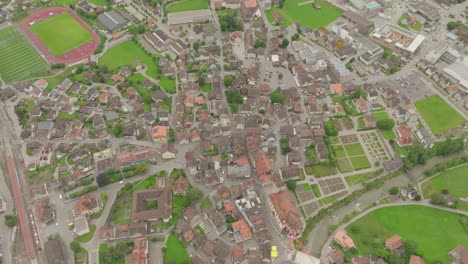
439 116
18 58
61 33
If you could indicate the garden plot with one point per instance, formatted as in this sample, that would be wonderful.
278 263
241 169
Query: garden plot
310 208
304 193
374 146
331 185
349 139
342 124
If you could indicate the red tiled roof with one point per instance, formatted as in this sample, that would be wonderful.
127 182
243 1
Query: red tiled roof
344 240
416 260
394 242
242 227
336 88
286 209
263 164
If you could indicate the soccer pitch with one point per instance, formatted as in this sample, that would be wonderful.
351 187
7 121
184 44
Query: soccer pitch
19 58
61 33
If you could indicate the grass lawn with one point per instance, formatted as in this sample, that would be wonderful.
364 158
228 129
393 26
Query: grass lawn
380 115
175 251
205 202
87 237
84 251
360 162
339 151
122 212
127 53
147 183
61 33
327 200
316 190
354 149
344 165
438 115
19 59
360 178
402 17
436 231
186 5
454 180
168 84
305 14
206 87
200 230
322 170
145 93
8 33
306 187
388 134
66 116
418 26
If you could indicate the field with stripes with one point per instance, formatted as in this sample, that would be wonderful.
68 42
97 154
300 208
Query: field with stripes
19 59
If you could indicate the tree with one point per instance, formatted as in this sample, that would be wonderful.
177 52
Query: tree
117 130
394 190
438 199
201 81
141 29
10 220
330 129
280 76
102 179
385 124
172 137
449 146
410 248
452 25
196 46
295 37
259 43
228 80
280 3
193 195
104 68
284 146
417 154
284 43
393 258
277 97
75 246
79 69
291 184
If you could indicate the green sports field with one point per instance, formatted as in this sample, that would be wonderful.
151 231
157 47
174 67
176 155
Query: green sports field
18 58
186 5
439 116
436 231
304 13
61 33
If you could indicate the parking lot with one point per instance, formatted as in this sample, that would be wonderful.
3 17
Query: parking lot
411 85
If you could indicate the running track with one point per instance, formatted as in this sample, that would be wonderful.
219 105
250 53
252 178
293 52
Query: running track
20 209
78 54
